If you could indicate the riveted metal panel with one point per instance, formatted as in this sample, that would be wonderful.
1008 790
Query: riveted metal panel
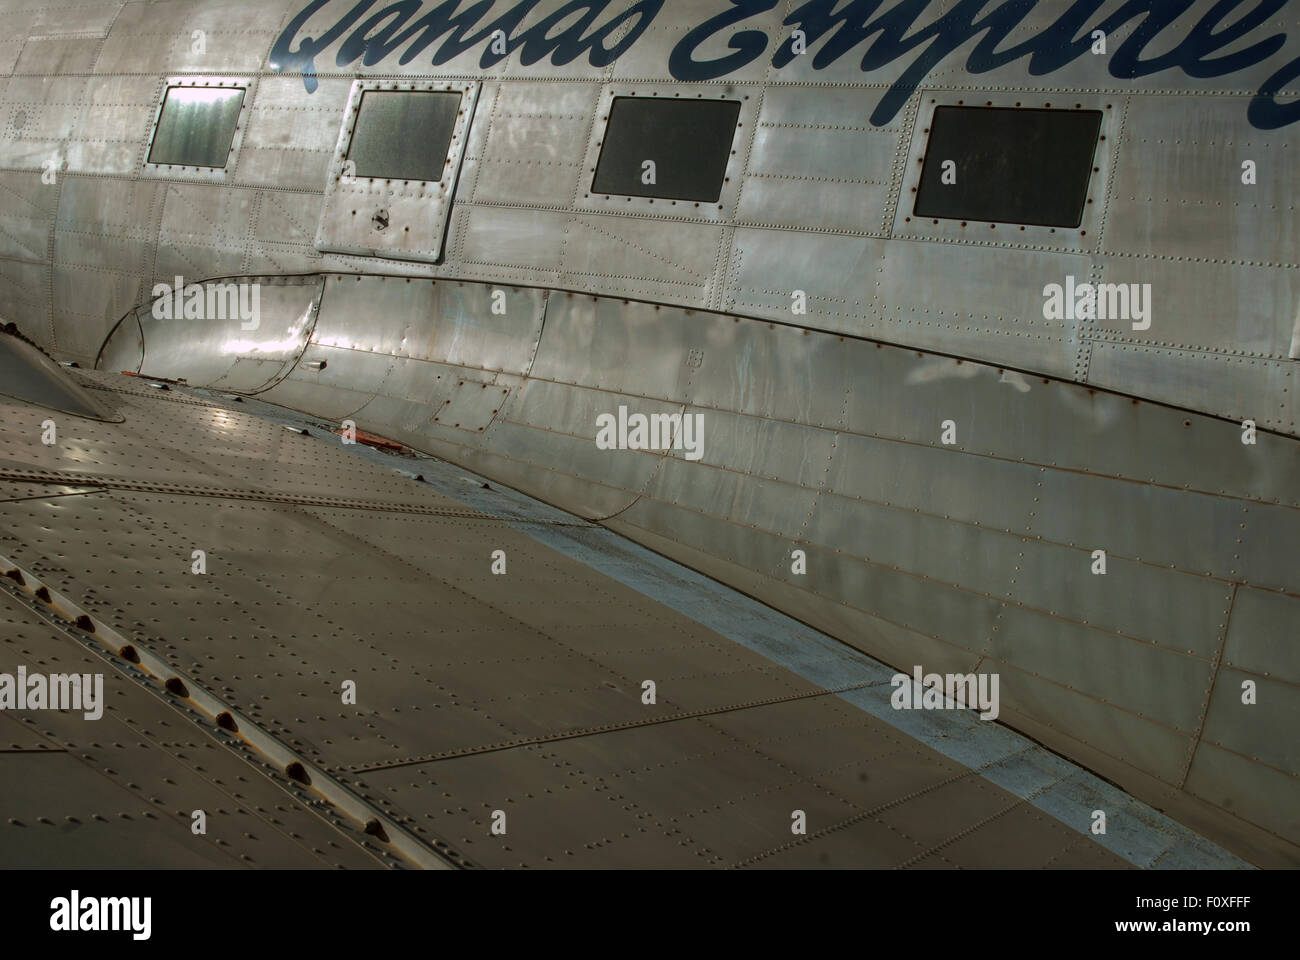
245 355
807 152
426 382
496 327
727 805
90 301
1023 418
471 406
563 821
950 614
957 617
379 217
219 35
1181 212
15 734
1256 634
793 203
89 18
340 368
526 153
891 642
976 559
996 316
1141 742
805 380
575 456
26 206
394 418
39 116
290 136
650 260
563 410
388 303
202 215
110 226
109 131
835 273
498 243
423 386
1251 315
1188 615
1256 792
765 449
916 477
816 164
1250 729
1112 669
284 227
58 55
585 498
57 790
303 393
1237 387
1193 532
121 789
767 506
593 337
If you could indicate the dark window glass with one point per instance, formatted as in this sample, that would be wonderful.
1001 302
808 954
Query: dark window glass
402 135
688 141
1013 166
196 126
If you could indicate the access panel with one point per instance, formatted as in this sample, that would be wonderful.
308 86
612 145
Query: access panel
395 167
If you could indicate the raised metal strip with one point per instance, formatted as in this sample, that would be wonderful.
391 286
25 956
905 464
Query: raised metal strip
227 493
331 790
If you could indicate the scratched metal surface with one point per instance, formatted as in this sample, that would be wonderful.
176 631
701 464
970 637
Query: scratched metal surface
962 557
476 692
953 556
121 791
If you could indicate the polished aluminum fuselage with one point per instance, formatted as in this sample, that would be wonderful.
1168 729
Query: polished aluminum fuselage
824 430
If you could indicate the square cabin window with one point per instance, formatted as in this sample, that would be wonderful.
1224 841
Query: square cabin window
1011 165
666 149
196 126
403 135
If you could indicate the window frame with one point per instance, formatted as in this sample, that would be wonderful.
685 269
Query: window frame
176 171
724 210
1085 238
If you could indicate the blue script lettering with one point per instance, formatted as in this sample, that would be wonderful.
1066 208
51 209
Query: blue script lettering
887 31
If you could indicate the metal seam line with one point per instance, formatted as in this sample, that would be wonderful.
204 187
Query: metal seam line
1136 831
